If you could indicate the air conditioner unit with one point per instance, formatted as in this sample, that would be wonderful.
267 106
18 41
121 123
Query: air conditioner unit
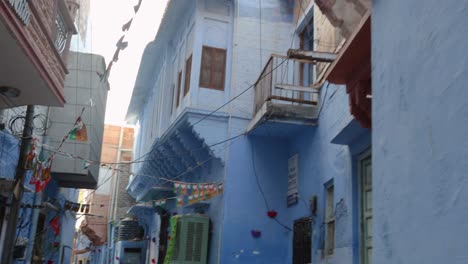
191 240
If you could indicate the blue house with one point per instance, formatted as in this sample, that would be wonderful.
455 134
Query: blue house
250 96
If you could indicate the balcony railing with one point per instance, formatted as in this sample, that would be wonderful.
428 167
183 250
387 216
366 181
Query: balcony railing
282 81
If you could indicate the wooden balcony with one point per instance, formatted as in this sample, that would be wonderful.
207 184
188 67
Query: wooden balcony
282 91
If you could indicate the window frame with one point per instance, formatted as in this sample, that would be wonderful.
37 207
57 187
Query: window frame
179 86
365 155
172 97
329 219
211 84
188 75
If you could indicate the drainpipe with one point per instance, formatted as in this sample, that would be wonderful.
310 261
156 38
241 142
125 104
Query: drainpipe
63 252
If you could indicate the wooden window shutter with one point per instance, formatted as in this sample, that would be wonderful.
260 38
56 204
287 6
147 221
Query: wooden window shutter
172 97
179 80
213 68
188 73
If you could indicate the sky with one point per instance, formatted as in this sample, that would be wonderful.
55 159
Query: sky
107 18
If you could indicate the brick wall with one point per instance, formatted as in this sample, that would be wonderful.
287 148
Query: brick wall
110 153
99 207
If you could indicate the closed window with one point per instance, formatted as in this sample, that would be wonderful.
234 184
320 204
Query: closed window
188 73
179 80
172 96
329 220
213 68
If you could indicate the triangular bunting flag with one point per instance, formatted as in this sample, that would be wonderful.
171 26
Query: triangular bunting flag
29 163
115 58
86 164
127 25
137 7
79 132
122 44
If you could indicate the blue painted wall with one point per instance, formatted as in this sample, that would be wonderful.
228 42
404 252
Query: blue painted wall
420 119
319 162
28 217
242 207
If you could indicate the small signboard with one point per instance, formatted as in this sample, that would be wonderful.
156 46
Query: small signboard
293 182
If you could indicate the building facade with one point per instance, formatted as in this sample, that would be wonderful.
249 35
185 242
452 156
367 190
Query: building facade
289 153
34 50
296 151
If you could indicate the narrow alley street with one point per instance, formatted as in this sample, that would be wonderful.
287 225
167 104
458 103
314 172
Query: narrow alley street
233 131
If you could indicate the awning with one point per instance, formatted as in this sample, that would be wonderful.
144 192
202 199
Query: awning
181 154
355 52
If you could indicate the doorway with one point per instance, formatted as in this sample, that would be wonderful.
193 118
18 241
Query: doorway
302 241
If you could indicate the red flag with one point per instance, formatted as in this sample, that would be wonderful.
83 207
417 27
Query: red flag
55 225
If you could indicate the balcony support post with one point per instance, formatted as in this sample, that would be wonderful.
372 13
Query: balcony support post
311 56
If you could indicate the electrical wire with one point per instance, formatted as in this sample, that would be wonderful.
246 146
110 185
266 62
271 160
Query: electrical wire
186 171
323 101
207 115
267 206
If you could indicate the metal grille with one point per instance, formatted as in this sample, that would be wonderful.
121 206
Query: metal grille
302 241
190 241
61 33
198 242
129 229
163 233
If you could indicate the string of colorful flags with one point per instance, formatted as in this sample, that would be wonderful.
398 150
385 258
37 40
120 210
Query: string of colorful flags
86 162
41 175
191 193
121 44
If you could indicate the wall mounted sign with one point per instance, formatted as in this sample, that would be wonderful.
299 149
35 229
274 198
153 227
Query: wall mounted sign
293 180
22 10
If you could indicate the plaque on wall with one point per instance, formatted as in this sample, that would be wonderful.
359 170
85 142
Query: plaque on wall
293 181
